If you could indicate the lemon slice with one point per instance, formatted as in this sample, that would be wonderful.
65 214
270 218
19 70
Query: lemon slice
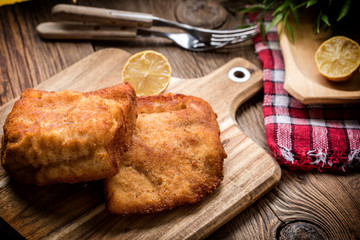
149 72
338 58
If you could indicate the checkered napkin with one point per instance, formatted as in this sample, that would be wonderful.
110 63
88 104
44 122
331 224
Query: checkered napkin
305 137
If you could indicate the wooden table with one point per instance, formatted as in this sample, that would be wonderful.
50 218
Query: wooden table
303 206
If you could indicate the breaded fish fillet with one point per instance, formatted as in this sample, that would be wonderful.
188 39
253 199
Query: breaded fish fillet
176 157
126 96
68 136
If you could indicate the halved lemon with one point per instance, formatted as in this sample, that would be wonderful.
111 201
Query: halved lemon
338 58
149 72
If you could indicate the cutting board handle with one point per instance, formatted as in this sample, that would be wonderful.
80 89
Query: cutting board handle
220 90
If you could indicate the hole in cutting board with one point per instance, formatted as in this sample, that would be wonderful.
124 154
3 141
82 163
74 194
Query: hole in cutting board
239 74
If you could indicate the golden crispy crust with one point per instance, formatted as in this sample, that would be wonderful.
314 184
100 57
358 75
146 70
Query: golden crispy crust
125 95
68 136
176 157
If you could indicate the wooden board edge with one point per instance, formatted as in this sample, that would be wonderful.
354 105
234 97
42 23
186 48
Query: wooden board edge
271 183
304 94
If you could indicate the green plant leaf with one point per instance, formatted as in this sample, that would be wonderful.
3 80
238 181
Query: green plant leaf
254 9
344 10
281 8
284 22
290 30
325 19
326 12
262 30
311 3
294 12
244 26
317 23
300 5
275 21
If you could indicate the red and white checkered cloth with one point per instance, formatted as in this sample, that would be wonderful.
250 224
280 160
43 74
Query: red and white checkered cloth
306 137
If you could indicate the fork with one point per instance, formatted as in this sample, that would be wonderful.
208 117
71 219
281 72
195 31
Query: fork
77 31
144 20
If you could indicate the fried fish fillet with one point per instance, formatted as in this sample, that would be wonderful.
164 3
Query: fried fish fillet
125 95
68 136
176 157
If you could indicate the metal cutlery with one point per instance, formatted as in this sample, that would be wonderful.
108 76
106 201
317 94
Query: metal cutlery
142 20
75 31
105 24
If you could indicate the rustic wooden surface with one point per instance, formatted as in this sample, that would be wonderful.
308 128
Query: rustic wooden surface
303 206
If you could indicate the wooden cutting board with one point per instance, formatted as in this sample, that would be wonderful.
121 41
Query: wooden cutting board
77 211
302 79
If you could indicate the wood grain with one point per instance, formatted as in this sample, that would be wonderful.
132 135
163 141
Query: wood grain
201 13
26 60
265 218
249 172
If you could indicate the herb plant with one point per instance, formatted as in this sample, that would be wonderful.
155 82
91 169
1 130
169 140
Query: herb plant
327 13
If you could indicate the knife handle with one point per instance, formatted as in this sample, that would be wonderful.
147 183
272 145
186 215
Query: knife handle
58 30
102 16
